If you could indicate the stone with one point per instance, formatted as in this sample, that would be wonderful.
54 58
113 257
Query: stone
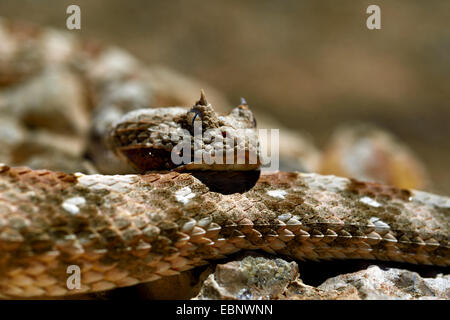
374 283
250 278
254 277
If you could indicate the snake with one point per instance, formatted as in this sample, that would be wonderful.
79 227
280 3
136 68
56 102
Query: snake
125 229
119 229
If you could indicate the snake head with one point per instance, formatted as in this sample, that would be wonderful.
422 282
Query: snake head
203 113
149 138
233 136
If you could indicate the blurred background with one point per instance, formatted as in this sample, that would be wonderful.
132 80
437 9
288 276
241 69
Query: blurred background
312 65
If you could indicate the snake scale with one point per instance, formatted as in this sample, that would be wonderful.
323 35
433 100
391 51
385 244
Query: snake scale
125 229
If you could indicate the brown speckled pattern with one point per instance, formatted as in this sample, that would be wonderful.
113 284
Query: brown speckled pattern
146 138
127 229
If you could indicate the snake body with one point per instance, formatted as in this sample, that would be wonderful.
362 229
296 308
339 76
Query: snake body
127 229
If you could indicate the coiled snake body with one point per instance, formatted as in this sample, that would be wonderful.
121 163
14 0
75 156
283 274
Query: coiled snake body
126 229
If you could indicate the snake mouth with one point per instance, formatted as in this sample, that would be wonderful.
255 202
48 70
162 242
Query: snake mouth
146 159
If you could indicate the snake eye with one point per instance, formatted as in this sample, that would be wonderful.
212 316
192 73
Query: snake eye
193 119
192 116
